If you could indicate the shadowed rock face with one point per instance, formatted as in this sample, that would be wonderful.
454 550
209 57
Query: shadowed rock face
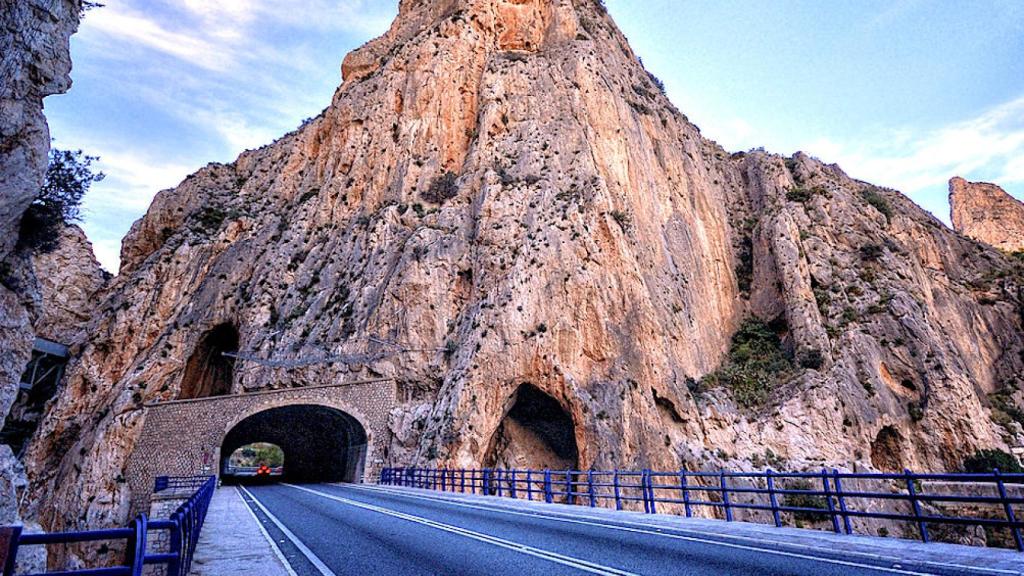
987 213
34 63
500 195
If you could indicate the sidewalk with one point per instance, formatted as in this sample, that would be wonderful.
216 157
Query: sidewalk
232 541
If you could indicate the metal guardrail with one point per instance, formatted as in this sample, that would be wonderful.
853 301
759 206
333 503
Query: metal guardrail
183 525
783 495
175 483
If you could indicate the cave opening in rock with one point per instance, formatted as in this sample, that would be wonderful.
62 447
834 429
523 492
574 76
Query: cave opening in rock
536 433
886 450
317 444
208 371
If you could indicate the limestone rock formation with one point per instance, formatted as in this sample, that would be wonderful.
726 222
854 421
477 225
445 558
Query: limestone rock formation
500 209
34 63
70 284
987 213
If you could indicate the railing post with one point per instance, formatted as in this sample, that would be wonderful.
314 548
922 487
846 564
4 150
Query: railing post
569 499
916 504
137 545
838 484
462 480
651 492
618 495
1008 509
498 477
486 482
828 501
512 484
547 486
444 480
685 487
174 567
773 498
725 496
12 551
590 488
529 484
645 490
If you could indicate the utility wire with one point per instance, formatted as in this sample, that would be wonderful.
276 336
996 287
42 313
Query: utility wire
330 358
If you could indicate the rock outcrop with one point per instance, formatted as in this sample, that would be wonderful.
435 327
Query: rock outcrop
500 194
34 63
987 213
71 282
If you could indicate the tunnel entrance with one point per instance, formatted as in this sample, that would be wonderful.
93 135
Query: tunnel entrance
208 372
537 432
318 443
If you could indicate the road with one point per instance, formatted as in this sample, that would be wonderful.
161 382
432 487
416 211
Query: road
328 530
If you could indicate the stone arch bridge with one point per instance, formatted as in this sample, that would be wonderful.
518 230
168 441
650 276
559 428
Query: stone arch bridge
336 432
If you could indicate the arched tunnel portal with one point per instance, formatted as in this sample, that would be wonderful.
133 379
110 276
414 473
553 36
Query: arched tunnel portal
320 443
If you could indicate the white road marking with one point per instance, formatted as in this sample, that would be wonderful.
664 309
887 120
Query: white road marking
277 550
619 526
313 559
570 561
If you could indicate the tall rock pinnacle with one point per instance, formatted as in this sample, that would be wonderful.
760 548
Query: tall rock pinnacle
987 213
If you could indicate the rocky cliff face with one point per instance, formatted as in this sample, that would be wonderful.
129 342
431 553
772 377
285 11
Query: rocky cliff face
987 213
502 211
34 63
71 282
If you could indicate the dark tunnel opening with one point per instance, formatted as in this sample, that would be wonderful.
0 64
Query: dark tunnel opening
208 372
319 443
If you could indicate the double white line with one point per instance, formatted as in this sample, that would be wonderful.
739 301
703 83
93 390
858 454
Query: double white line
555 557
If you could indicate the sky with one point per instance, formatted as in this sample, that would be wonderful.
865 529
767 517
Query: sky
901 93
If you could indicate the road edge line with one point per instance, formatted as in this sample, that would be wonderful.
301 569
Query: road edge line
273 545
313 558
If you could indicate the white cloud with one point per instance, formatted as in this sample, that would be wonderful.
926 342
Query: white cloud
989 146
121 24
106 250
217 35
134 178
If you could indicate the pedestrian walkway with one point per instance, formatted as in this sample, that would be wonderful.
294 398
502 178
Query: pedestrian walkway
233 542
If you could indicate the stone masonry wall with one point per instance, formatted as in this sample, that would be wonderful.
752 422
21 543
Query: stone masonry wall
183 438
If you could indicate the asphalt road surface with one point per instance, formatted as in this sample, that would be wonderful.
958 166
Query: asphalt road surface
335 530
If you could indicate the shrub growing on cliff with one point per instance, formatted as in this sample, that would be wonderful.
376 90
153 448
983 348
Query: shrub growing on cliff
988 460
755 366
809 501
441 189
68 178
624 220
877 199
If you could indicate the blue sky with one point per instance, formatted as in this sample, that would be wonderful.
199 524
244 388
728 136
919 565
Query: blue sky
903 93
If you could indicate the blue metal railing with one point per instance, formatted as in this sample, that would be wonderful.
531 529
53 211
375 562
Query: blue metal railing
183 526
831 495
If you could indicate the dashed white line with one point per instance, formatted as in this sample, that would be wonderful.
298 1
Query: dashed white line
578 563
313 558
559 518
